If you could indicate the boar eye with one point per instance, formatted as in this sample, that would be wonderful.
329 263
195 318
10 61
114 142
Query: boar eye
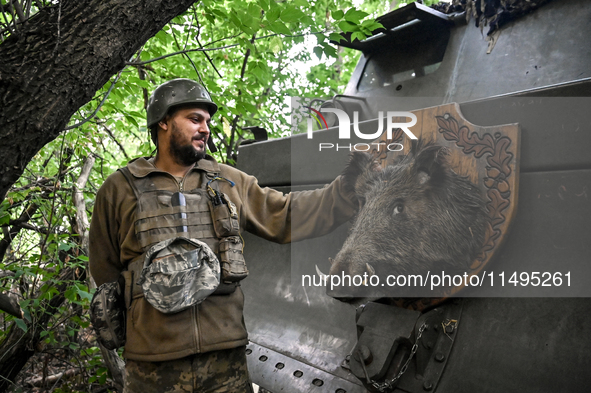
399 208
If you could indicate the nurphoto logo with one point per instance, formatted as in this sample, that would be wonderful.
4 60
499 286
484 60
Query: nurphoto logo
345 128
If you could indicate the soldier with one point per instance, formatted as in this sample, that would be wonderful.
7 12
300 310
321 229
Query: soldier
172 210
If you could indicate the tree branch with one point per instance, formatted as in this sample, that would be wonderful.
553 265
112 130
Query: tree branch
80 203
24 217
99 105
26 225
10 305
134 63
116 141
19 10
41 381
230 147
201 46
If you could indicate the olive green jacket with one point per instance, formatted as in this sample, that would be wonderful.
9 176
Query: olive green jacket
217 323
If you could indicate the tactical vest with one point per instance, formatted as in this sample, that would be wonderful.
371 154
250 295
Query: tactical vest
203 213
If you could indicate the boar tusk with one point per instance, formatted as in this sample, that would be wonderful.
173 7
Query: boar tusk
370 269
322 275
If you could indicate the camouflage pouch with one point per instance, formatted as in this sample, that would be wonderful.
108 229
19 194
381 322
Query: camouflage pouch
179 273
233 264
224 216
107 314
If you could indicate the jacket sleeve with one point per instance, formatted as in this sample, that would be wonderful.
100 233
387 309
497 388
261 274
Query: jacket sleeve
104 253
318 212
295 216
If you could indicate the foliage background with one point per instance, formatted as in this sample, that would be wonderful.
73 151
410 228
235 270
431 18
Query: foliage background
250 55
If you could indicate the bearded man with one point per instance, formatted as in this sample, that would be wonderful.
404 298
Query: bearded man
186 335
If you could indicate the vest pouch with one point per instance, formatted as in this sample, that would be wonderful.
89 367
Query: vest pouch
179 273
224 216
107 314
231 258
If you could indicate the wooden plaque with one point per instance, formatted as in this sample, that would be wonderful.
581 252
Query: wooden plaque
488 156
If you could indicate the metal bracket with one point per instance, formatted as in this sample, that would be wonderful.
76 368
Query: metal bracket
385 334
435 347
382 329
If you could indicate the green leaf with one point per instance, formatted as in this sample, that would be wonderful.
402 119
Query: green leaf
219 13
248 30
354 16
338 14
279 27
252 23
254 11
372 24
318 52
70 294
330 51
264 4
276 44
347 27
234 19
247 44
4 218
273 15
210 18
357 35
320 38
259 73
132 120
247 107
85 295
21 324
291 14
336 37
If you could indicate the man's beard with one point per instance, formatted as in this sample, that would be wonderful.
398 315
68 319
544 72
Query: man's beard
183 154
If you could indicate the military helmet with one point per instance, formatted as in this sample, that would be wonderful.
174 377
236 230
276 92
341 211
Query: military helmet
176 92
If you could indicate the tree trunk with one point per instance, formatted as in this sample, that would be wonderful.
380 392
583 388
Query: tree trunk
56 62
49 68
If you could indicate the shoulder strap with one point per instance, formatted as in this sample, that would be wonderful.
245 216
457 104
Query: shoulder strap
131 180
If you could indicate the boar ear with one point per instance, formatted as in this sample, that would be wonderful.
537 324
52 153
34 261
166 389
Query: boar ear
359 164
431 163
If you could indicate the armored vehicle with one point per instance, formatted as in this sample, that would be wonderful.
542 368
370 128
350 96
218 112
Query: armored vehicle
537 75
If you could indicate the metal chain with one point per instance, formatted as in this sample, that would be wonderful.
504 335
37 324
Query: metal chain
389 384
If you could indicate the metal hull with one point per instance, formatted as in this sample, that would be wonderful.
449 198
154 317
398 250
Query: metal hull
300 336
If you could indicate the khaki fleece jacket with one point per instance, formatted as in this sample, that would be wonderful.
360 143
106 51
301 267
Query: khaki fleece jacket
217 323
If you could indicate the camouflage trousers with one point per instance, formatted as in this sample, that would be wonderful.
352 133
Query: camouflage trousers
222 371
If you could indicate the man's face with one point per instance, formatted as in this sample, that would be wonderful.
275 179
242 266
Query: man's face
189 131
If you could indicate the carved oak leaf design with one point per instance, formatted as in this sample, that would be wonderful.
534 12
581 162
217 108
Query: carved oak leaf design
496 207
448 128
489 245
381 153
498 172
502 157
